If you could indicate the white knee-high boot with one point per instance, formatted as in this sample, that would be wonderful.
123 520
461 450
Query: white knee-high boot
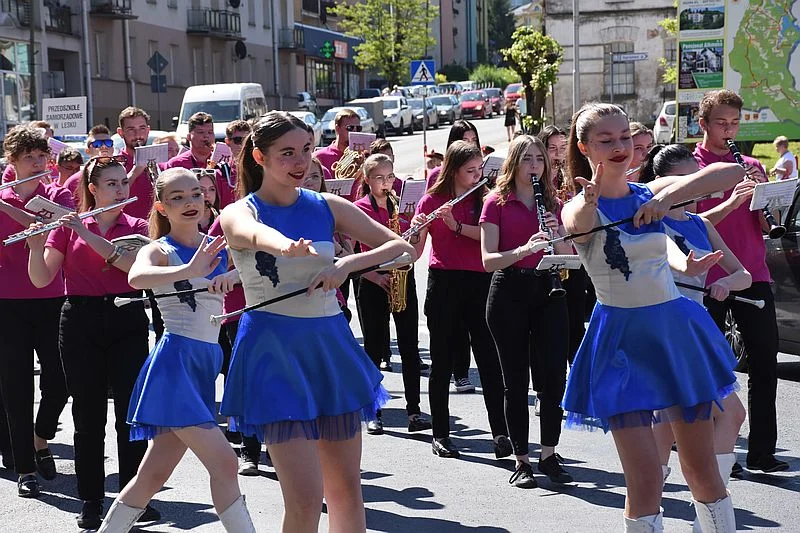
120 518
236 519
725 464
645 524
717 517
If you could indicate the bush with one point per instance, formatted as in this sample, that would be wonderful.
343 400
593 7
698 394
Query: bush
455 72
494 76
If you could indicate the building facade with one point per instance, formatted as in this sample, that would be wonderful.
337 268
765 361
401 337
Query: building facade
461 30
609 27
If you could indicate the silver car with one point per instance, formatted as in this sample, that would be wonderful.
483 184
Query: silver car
310 119
328 131
447 107
430 116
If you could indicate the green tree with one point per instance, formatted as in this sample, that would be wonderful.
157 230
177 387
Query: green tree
670 75
536 58
455 72
494 76
394 33
501 27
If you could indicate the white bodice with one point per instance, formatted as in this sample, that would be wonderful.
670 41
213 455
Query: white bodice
689 235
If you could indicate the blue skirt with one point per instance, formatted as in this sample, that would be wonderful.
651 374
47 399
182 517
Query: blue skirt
638 366
175 388
305 378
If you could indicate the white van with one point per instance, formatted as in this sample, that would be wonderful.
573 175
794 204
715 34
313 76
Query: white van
225 102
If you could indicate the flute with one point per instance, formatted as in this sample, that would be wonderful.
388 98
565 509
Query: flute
22 235
429 218
776 231
731 297
14 183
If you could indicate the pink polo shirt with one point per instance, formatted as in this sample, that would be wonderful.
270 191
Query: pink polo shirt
86 273
516 224
381 216
328 156
73 183
741 229
226 194
233 300
16 283
433 176
142 189
448 251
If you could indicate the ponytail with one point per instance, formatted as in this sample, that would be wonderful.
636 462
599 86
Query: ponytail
251 175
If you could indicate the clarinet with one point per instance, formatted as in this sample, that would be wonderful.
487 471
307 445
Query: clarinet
776 231
556 290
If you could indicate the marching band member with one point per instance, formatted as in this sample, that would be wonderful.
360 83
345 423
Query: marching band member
28 322
68 162
210 198
98 143
376 301
9 173
632 361
461 130
95 272
235 134
525 322
173 144
455 302
298 378
182 368
694 233
642 143
134 128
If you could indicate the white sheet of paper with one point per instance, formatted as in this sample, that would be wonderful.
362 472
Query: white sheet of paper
570 262
413 191
360 141
48 210
56 146
221 151
492 163
340 187
131 243
154 152
774 194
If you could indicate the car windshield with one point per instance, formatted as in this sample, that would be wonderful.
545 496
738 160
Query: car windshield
471 97
220 110
492 92
441 100
514 87
670 110
330 115
415 103
391 104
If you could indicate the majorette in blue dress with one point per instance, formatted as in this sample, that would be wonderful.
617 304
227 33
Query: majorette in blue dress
297 371
175 388
690 235
647 348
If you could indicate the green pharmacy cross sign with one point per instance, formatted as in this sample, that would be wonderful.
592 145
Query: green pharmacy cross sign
327 50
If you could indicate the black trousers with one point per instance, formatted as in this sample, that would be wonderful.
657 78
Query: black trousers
229 330
25 326
759 331
455 305
102 344
373 308
575 286
527 325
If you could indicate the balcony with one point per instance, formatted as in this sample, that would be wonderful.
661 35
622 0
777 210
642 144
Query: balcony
113 9
215 23
56 18
291 39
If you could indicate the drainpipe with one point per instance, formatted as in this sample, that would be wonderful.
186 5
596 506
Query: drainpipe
126 36
275 66
87 63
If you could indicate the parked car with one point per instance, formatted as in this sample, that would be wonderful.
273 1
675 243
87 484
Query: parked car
307 101
328 131
476 104
512 91
665 122
368 93
450 88
225 102
374 107
497 99
429 118
397 116
468 85
447 107
311 119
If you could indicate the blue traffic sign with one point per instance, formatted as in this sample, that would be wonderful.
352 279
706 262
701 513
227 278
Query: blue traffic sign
423 72
157 62
158 83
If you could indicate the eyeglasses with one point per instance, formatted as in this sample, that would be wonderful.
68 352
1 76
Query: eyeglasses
200 172
351 127
237 140
99 143
384 179
104 161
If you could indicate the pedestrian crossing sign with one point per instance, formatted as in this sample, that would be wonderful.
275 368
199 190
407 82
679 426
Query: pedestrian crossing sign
423 72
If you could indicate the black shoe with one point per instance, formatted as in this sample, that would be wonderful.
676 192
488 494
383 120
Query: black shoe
150 514
375 427
386 366
90 517
502 448
8 461
234 437
444 447
423 365
248 463
28 486
737 471
523 477
553 470
768 464
45 464
418 423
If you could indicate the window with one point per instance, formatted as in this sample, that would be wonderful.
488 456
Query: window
311 6
268 7
173 62
152 48
251 12
623 73
197 64
99 54
321 79
671 50
216 67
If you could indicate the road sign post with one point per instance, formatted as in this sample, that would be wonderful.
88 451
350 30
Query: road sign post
422 73
623 58
158 82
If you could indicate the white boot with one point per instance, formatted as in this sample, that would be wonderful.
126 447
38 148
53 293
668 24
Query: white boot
236 519
645 524
725 464
120 518
717 517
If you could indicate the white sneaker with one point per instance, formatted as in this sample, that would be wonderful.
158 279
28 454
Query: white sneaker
464 385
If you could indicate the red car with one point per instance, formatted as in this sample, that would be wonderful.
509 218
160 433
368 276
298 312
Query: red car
512 92
475 104
497 99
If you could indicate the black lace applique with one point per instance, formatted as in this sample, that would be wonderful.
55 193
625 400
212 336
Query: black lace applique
615 253
680 240
187 299
265 264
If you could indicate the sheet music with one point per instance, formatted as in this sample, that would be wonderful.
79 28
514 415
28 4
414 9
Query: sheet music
221 151
569 262
360 141
131 243
413 191
492 163
56 146
154 152
47 210
773 193
340 187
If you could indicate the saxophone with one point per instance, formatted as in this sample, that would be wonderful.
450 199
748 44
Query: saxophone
399 276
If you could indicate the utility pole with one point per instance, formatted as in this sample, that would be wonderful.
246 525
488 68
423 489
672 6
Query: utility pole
34 98
576 69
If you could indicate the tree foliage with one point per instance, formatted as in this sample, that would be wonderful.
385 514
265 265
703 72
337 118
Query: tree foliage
494 76
670 26
536 58
394 33
501 28
455 72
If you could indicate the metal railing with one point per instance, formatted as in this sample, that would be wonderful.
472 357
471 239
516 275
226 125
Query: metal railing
112 7
291 38
55 18
214 21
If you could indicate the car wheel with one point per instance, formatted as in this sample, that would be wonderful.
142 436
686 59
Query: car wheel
410 129
452 118
734 338
400 128
436 126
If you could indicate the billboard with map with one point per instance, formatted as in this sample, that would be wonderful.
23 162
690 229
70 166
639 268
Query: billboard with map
747 46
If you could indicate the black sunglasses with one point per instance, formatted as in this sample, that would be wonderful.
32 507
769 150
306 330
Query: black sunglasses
350 127
99 143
